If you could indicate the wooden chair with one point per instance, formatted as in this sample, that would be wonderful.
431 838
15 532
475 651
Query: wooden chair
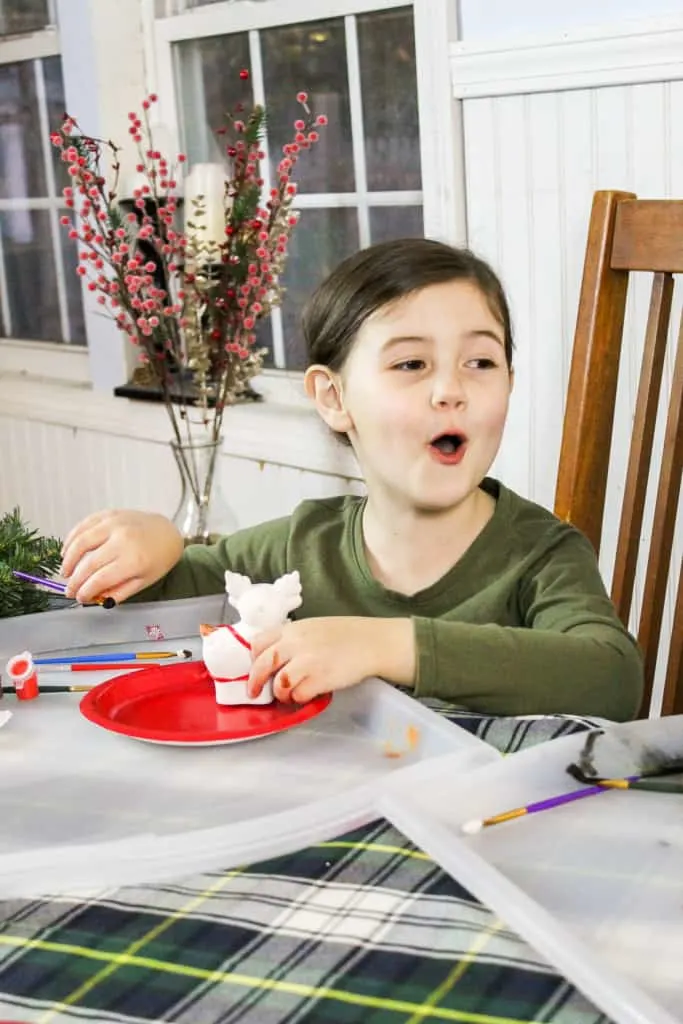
628 234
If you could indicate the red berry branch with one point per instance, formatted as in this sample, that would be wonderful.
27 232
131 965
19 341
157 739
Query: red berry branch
189 303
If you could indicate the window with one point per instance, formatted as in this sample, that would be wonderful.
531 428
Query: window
362 183
40 296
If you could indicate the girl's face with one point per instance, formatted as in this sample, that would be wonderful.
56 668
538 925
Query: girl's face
424 396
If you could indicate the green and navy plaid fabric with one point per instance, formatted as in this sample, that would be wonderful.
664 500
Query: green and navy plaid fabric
361 928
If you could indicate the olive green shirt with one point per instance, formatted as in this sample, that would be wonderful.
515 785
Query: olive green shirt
520 624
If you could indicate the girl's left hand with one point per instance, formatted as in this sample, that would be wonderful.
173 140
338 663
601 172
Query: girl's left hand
313 656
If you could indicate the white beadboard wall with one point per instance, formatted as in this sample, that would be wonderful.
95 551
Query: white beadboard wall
539 140
58 474
69 452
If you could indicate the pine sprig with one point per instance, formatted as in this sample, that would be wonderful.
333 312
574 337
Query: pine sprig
24 549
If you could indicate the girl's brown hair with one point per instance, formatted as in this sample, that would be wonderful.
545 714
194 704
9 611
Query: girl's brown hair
381 274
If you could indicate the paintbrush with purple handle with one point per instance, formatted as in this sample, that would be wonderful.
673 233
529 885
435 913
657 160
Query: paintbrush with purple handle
58 588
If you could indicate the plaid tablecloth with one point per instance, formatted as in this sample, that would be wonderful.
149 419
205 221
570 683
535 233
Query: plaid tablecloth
361 928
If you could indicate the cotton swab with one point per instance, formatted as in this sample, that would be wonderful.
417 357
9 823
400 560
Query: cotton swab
108 657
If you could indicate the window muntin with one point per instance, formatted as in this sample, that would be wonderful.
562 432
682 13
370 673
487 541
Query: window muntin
362 182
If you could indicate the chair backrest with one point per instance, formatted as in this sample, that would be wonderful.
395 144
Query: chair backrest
628 234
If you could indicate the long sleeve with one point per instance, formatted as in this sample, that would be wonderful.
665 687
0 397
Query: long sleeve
259 552
571 654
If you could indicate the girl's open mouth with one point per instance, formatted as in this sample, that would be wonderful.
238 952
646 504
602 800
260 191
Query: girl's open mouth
448 449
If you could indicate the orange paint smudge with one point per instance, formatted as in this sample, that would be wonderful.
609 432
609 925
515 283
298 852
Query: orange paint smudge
413 736
412 740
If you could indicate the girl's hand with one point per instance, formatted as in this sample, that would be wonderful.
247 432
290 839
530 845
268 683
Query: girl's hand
117 553
314 656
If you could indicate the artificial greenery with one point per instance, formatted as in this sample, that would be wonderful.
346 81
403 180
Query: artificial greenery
22 548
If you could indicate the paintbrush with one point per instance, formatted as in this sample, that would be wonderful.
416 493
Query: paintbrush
101 666
632 755
57 587
653 785
106 657
64 689
477 824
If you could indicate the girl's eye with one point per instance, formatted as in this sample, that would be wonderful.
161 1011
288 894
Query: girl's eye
410 364
483 364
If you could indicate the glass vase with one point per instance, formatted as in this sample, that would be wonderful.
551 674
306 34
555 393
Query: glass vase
203 515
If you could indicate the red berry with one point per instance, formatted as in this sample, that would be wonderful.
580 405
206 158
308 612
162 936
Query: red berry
244 74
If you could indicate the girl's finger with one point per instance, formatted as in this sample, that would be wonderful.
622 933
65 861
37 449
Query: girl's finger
85 524
101 577
283 686
124 590
264 666
262 641
306 689
90 563
88 540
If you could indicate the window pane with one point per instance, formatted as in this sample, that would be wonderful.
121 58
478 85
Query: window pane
30 274
319 242
22 172
264 339
387 222
386 43
22 16
312 58
54 97
74 295
209 85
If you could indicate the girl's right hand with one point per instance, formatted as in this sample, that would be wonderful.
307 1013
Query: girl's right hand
117 553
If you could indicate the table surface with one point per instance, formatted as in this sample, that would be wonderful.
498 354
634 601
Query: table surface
362 928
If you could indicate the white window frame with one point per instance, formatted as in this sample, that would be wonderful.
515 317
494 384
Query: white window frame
58 360
108 359
441 147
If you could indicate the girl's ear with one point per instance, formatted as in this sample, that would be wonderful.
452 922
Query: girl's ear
324 387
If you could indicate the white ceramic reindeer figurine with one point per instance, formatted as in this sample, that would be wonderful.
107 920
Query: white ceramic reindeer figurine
227 649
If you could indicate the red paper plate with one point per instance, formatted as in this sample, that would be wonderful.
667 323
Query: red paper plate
176 704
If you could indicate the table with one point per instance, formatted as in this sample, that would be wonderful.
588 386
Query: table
361 928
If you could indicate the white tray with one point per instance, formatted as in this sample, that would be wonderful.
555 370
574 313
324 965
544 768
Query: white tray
595 885
82 806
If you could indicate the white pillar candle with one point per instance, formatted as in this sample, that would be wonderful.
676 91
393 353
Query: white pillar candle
208 182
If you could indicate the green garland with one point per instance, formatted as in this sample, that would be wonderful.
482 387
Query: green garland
22 548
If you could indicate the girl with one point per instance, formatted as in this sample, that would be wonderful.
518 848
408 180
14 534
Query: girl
441 579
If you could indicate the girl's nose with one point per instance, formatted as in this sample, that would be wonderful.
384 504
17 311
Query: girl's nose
448 391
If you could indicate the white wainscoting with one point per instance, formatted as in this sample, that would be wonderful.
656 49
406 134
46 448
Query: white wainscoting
539 140
68 452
